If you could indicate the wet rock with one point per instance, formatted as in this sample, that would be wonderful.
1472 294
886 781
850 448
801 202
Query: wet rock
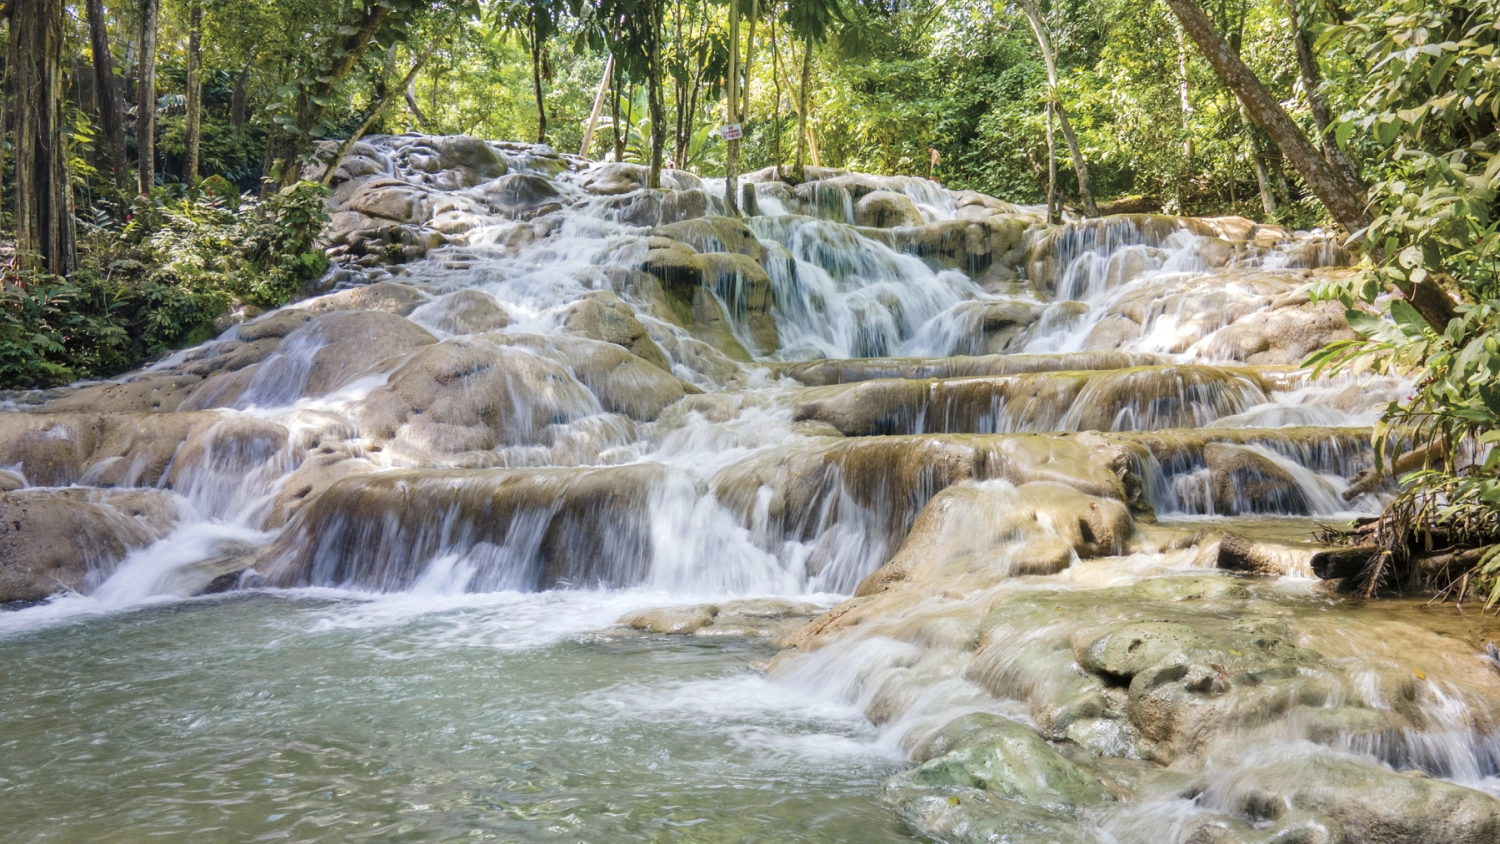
1361 801
978 534
883 209
389 297
622 382
144 393
714 234
672 620
1241 554
389 199
106 449
465 311
1245 480
603 316
519 194
55 540
275 325
228 447
560 527
355 343
1006 759
11 481
1286 335
468 394
827 372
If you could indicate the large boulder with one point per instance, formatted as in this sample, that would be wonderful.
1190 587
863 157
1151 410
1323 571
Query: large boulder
604 316
883 209
467 394
68 539
984 533
98 449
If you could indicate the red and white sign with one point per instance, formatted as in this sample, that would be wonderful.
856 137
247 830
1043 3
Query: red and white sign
731 132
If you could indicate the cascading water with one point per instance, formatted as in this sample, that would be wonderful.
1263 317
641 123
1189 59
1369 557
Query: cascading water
407 559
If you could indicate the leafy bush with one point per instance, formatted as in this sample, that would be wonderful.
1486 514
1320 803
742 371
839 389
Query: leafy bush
1433 97
184 256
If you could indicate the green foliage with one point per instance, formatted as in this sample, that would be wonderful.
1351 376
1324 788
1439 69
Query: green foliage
1431 84
159 281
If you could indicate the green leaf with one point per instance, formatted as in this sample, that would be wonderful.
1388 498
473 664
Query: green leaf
1407 319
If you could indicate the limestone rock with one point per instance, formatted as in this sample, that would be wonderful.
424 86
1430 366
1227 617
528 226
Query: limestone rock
389 297
883 209
465 311
603 316
54 540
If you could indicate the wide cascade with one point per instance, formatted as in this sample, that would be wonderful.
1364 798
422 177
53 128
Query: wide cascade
1030 510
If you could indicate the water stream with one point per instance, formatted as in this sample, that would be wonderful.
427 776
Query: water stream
433 511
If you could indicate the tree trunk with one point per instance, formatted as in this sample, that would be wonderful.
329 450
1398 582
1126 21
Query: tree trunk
1312 80
749 55
111 109
654 95
5 76
536 78
1263 182
145 98
1346 205
588 133
1051 169
44 219
1044 45
1184 95
194 116
798 171
776 74
618 149
1085 189
237 100
732 108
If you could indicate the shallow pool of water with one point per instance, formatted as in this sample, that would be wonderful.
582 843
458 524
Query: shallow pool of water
313 716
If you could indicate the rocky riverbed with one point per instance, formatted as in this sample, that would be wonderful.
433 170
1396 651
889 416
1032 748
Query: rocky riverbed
1038 502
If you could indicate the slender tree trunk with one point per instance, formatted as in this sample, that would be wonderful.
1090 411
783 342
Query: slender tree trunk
776 74
237 100
1051 168
654 95
1044 44
537 46
145 98
618 149
111 109
798 171
10 63
1346 205
732 108
588 133
1312 81
1184 94
44 219
749 56
194 117
1263 182
1085 189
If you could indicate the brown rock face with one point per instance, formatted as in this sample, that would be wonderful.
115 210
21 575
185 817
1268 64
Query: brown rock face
54 540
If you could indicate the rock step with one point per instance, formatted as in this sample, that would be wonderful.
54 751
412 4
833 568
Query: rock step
1135 398
823 373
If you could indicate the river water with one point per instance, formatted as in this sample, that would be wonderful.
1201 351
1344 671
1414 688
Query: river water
316 716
